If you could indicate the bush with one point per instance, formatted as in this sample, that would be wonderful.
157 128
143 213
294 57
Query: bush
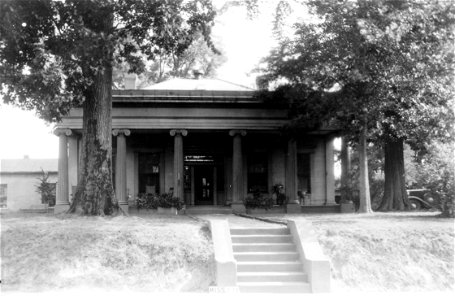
152 201
436 172
258 200
278 192
168 200
147 201
46 189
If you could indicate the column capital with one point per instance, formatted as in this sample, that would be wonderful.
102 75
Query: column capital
234 132
174 132
62 131
125 132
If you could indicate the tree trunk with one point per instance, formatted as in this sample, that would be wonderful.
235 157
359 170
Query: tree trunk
395 196
95 192
364 188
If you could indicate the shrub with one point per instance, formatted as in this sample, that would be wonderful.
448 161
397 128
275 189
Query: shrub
147 201
436 172
153 201
277 190
46 189
258 200
168 200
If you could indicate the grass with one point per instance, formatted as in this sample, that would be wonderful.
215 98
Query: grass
160 254
393 252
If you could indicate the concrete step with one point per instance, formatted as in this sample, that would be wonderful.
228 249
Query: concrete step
260 231
263 247
206 209
266 256
267 266
274 287
271 277
249 239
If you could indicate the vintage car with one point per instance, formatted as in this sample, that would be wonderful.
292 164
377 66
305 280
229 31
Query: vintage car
422 199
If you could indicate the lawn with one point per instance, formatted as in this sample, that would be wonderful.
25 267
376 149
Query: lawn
161 254
392 252
396 252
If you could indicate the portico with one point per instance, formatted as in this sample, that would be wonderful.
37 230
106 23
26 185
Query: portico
207 147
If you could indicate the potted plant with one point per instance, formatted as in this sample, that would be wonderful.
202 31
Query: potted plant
168 204
147 201
346 205
278 194
258 203
46 189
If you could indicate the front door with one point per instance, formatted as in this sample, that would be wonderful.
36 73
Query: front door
203 185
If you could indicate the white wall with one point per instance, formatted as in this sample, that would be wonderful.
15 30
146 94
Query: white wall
21 190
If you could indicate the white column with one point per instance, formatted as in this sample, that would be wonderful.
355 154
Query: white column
292 204
178 135
62 193
237 170
345 168
73 143
120 168
364 184
329 171
291 172
318 185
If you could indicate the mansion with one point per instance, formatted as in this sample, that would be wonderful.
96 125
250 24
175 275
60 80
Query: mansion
210 142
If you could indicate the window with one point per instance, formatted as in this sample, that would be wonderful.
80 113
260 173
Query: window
3 195
187 178
257 173
220 178
149 173
304 173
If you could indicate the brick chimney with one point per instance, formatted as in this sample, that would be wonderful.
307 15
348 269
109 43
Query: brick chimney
130 81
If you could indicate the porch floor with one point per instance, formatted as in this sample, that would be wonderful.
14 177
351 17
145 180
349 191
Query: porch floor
206 209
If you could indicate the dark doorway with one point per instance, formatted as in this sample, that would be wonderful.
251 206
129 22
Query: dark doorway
203 185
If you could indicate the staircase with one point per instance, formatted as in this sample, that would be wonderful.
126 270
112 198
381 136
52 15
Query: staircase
267 261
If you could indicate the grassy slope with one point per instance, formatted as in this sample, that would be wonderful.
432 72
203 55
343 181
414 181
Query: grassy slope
383 252
159 254
388 251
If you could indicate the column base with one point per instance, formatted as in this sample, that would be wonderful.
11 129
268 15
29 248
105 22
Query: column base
238 207
61 208
293 207
348 207
124 207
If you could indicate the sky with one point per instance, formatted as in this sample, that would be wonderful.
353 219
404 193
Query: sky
245 41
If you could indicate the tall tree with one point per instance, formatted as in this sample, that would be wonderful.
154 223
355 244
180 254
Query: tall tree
56 55
384 65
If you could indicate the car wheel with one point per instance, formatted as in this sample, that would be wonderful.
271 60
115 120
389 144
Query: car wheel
415 204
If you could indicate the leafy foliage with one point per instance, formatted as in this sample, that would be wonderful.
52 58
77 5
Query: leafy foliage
387 62
56 55
153 201
258 200
51 51
382 65
46 189
436 171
